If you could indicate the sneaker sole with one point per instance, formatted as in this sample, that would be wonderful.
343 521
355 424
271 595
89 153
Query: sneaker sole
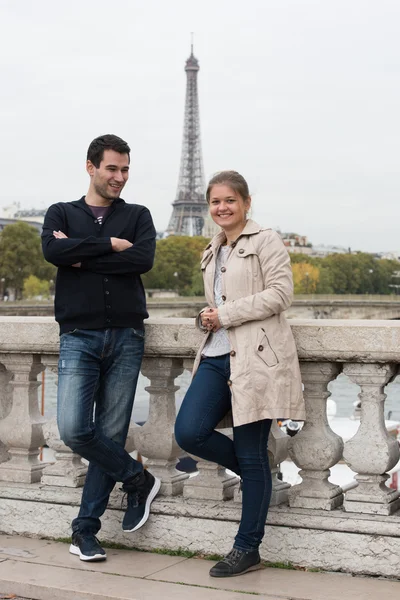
153 493
252 568
75 550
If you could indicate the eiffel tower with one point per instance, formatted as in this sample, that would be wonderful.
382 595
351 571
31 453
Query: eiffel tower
190 212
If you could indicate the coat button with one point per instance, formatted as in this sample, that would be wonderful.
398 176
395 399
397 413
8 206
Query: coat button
232 353
223 298
241 251
107 292
95 221
108 306
260 348
229 382
105 279
223 269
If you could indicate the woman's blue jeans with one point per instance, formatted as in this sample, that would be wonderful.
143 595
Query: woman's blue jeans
97 377
207 401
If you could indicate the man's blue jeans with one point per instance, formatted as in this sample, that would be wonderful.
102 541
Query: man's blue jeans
98 372
207 401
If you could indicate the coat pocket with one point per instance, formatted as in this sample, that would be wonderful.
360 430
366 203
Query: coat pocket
264 349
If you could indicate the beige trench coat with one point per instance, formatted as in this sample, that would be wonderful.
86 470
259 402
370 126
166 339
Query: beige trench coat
257 284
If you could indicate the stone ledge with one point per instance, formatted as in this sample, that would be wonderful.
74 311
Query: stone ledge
316 340
355 552
298 518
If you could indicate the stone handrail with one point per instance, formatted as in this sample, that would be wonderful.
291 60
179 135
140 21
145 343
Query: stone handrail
367 351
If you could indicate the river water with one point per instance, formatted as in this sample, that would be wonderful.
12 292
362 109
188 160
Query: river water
344 393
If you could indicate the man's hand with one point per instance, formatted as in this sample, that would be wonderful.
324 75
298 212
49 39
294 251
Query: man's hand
59 235
119 244
209 319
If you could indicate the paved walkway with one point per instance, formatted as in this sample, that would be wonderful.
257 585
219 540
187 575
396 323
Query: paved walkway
44 570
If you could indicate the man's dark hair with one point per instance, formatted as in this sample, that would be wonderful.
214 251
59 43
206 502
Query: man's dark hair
109 141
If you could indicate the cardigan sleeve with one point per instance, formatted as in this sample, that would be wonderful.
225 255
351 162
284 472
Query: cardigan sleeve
68 251
139 258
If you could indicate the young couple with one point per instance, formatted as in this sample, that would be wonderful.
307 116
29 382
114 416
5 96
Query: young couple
247 362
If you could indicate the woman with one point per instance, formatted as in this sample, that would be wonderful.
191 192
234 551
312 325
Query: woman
247 363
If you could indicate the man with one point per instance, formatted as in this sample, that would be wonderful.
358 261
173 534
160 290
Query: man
101 245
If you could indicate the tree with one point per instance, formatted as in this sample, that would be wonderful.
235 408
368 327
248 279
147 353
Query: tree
305 278
21 256
177 264
33 287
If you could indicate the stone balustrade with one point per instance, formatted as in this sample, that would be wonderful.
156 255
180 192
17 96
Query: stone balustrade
367 513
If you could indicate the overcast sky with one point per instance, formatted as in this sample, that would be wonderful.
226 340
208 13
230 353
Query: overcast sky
301 96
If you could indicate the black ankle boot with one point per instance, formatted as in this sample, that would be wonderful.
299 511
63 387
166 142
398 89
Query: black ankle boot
237 562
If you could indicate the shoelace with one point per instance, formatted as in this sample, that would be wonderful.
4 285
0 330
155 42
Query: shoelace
233 556
132 499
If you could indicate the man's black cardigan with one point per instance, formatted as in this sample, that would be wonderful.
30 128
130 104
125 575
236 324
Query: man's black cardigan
106 290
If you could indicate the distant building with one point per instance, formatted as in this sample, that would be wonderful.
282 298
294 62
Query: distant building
389 255
10 215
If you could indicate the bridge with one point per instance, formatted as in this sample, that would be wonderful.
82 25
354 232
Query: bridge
303 307
318 306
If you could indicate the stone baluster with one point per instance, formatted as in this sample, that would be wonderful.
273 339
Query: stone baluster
21 429
372 451
68 470
316 448
155 440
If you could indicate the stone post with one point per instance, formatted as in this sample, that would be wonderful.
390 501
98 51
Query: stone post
372 451
316 448
5 405
21 429
156 440
68 470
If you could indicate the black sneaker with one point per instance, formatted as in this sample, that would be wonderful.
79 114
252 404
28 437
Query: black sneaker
236 562
140 492
87 547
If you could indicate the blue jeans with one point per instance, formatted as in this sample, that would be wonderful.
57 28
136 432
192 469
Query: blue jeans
207 401
98 372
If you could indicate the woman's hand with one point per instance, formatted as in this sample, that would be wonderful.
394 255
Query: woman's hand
209 319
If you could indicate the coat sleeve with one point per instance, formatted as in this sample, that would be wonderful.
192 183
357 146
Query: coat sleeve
278 287
139 258
68 251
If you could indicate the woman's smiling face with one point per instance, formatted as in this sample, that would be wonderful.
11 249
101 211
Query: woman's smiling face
227 208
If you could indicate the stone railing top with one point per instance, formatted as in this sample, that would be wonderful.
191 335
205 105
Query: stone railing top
322 340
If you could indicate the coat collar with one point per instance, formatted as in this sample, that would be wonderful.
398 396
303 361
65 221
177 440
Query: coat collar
250 228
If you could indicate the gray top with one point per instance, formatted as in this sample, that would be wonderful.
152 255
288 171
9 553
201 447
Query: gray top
218 342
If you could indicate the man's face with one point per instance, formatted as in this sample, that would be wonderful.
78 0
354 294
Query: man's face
110 178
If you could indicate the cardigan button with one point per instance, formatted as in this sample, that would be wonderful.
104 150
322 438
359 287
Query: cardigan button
241 251
223 269
232 353
260 348
223 298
